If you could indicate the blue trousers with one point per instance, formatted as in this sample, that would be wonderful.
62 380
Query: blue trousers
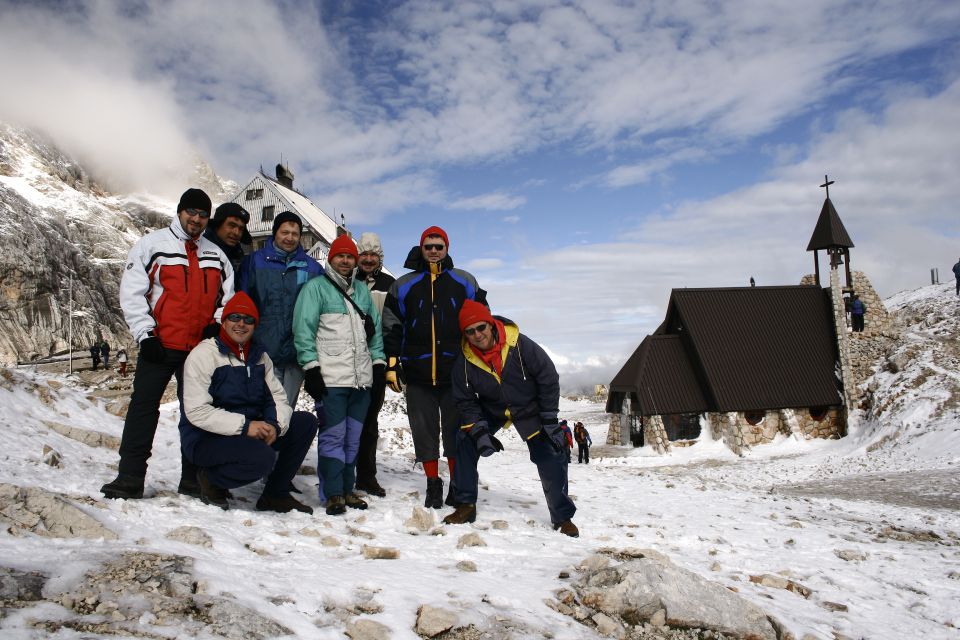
551 465
233 461
338 440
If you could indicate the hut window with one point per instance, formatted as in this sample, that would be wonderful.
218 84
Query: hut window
754 417
267 213
818 413
254 194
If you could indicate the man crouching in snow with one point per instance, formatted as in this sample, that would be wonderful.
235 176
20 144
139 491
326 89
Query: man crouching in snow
236 425
501 376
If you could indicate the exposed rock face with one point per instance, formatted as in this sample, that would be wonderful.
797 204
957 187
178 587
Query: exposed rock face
56 221
47 514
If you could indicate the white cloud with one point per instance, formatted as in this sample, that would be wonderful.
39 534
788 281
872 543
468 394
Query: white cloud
496 201
511 219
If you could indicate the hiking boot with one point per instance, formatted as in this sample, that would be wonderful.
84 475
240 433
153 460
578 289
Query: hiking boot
465 513
371 486
336 505
434 499
281 504
567 528
354 501
125 487
211 493
450 501
189 487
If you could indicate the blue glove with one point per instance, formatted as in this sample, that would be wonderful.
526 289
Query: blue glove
487 445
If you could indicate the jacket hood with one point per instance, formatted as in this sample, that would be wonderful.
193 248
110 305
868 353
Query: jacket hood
415 261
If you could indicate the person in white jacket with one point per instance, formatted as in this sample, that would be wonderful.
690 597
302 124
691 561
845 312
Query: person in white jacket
173 289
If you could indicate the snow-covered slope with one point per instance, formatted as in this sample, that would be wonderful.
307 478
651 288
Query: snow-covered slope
869 524
57 221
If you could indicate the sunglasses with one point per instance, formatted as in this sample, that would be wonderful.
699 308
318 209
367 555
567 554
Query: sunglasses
434 247
239 317
480 328
198 212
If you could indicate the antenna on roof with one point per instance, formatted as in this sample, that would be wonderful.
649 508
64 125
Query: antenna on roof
343 221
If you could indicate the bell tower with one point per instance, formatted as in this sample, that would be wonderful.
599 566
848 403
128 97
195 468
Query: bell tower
831 235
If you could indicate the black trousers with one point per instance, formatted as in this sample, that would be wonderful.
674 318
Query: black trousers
856 319
583 452
140 425
367 455
433 417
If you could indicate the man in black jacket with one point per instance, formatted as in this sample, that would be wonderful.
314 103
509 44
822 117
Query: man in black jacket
421 339
228 230
502 376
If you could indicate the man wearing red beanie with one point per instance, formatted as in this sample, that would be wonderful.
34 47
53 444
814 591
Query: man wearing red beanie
236 425
502 376
421 338
336 330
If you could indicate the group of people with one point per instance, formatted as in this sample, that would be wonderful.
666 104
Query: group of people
100 352
243 333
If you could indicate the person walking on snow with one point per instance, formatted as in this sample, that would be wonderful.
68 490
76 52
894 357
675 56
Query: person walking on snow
172 293
421 339
502 376
584 441
568 436
122 361
336 329
370 271
236 425
105 353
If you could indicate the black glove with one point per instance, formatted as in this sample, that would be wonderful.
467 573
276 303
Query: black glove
554 435
152 349
212 330
314 384
379 374
487 445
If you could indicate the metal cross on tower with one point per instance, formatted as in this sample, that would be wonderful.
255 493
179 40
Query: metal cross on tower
826 184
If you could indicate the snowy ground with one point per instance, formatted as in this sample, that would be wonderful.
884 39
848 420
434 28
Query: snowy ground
881 495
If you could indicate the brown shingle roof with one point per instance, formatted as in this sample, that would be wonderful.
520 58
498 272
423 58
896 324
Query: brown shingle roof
829 231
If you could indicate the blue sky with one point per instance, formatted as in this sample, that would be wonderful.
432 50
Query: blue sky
585 157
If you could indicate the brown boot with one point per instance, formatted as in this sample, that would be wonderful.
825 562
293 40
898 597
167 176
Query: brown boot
354 501
567 528
335 505
465 513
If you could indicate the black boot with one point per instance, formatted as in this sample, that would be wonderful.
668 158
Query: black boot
211 493
434 498
189 486
371 486
124 486
451 501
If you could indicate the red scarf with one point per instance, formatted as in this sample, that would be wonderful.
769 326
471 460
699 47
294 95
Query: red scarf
241 351
493 356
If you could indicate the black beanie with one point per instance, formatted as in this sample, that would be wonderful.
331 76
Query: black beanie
286 216
195 199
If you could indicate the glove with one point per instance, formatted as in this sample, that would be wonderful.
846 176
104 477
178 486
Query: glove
379 373
394 375
152 349
487 445
314 384
212 330
554 435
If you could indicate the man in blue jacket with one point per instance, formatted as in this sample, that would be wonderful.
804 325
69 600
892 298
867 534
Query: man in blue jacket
502 376
236 425
273 277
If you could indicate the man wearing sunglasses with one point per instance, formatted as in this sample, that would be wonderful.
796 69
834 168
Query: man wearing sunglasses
228 230
174 286
236 425
421 339
501 377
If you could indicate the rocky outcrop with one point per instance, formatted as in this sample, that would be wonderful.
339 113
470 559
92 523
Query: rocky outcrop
34 510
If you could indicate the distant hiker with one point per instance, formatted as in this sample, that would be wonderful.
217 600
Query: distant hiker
122 361
172 292
956 273
273 276
105 353
370 271
857 310
421 339
336 329
568 435
95 355
236 425
228 230
582 436
500 377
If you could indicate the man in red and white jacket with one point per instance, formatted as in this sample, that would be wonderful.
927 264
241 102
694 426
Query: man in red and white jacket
172 293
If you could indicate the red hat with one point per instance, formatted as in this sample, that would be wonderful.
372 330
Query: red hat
473 312
435 231
241 303
343 244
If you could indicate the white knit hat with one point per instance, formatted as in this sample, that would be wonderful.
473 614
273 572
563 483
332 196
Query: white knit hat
369 241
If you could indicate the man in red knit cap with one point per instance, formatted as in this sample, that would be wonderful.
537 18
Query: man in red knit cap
502 376
421 339
237 426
